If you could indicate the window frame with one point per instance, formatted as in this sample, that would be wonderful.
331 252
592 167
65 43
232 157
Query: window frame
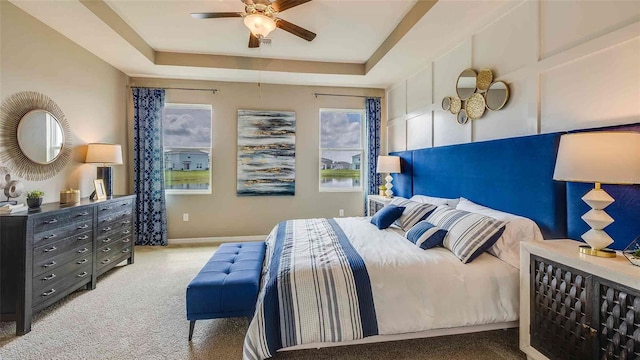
363 145
209 149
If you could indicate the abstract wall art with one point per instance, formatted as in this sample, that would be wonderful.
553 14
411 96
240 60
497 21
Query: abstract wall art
266 153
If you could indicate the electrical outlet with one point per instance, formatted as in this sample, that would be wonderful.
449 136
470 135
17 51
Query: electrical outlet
341 212
185 217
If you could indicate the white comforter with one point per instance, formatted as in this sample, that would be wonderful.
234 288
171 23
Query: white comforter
416 290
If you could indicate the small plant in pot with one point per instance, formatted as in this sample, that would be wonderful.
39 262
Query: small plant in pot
34 199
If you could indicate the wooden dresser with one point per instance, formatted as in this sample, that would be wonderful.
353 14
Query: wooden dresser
49 253
575 306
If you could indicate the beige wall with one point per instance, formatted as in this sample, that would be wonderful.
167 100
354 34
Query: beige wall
90 92
222 213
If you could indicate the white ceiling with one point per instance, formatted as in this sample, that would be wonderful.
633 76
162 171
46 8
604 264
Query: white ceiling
348 32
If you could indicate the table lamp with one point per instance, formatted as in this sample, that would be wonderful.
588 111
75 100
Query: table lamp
598 157
389 165
105 154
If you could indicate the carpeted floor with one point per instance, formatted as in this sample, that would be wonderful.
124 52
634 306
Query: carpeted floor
138 312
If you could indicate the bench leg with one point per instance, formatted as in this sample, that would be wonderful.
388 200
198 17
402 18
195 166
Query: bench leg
192 324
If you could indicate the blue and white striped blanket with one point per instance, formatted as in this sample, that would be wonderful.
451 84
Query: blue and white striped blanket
315 288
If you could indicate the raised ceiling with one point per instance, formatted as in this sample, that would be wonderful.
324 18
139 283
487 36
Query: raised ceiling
360 43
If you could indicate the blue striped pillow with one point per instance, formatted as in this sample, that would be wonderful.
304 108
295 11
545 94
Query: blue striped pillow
413 213
469 234
426 235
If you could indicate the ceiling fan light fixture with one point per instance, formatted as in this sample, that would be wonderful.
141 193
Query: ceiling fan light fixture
260 25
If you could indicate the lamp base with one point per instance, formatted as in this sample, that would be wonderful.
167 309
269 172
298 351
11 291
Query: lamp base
388 193
104 173
588 250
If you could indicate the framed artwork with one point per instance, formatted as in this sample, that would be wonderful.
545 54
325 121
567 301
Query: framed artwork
101 193
266 153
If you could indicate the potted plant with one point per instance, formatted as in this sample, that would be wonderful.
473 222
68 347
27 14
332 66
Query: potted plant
34 198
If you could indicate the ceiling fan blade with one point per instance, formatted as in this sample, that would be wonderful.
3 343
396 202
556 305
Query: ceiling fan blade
254 42
295 30
215 15
282 5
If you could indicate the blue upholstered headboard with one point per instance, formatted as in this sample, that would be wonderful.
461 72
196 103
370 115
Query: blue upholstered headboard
516 175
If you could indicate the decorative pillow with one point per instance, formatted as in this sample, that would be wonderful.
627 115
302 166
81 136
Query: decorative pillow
413 212
426 235
435 200
386 216
469 234
518 229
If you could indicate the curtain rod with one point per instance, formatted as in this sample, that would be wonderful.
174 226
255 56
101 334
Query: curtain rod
174 88
342 95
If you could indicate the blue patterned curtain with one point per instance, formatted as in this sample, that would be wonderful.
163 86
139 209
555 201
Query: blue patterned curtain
373 180
148 167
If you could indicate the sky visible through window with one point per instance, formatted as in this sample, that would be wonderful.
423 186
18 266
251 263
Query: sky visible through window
186 127
340 130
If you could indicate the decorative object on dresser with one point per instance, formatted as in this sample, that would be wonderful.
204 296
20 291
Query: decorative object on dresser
69 197
598 157
375 203
48 254
632 252
389 165
34 198
99 191
574 306
35 138
105 154
10 188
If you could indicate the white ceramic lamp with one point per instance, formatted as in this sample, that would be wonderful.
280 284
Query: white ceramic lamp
105 154
599 157
389 165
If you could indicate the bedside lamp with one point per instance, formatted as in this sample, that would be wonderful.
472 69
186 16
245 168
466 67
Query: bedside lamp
389 165
105 154
598 157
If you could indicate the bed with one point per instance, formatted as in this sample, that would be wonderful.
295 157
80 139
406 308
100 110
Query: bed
329 282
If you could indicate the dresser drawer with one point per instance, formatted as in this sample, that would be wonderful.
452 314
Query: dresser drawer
48 222
113 248
119 217
111 255
105 210
76 269
40 267
114 230
53 290
52 235
51 250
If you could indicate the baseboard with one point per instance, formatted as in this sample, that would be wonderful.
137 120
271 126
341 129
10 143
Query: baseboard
216 240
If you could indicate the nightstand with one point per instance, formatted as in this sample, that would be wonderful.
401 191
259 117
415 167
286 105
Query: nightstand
576 306
375 203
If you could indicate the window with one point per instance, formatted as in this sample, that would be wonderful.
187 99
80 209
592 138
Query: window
186 130
341 149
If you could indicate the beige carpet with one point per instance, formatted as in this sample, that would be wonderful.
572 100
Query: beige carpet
138 312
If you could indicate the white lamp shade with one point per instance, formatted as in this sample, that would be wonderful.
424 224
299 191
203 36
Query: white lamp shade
104 153
388 164
260 25
599 157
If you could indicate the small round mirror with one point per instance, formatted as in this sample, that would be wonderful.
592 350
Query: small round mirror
497 95
446 103
466 84
462 117
40 136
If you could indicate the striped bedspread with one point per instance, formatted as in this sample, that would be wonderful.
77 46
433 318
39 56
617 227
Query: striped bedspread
315 288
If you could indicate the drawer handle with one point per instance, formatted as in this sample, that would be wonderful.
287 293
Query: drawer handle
83 227
81 251
108 228
83 214
126 222
83 274
49 264
83 237
47 278
82 261
52 221
53 248
124 204
126 240
106 208
106 250
106 261
106 240
126 250
50 236
126 232
107 219
47 293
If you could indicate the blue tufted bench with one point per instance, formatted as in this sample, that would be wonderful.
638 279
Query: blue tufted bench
227 286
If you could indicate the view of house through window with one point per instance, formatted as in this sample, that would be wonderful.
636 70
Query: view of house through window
341 149
186 132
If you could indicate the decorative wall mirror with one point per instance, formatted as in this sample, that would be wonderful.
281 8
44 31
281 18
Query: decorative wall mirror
497 95
35 138
466 84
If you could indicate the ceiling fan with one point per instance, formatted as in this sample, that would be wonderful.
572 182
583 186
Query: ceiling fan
260 16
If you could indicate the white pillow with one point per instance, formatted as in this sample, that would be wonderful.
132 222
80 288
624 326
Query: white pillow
518 229
435 200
